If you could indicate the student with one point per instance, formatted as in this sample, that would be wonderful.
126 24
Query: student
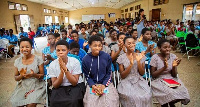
164 66
81 42
93 32
76 50
171 36
134 34
146 45
64 35
77 27
182 27
83 34
31 34
13 42
121 27
68 87
57 37
49 53
106 30
22 33
133 89
161 29
140 22
97 69
28 71
2 35
130 27
105 48
118 48
112 39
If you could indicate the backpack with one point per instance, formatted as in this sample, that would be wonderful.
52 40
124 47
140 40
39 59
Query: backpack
191 40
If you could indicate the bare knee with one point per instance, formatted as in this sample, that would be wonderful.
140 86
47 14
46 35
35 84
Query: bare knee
31 105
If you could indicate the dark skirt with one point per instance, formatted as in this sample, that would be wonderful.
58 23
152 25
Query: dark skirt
68 96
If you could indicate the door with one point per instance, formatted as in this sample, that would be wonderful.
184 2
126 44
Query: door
17 23
156 14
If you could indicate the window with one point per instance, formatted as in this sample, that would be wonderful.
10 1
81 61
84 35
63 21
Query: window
45 10
159 2
48 19
54 11
66 19
48 10
56 19
18 6
11 5
126 10
24 7
131 9
122 11
191 12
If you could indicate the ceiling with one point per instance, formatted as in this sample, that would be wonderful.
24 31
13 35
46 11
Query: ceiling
79 4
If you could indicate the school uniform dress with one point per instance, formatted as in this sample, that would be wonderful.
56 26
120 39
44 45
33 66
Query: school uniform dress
140 26
97 70
161 91
133 90
115 48
46 51
67 95
109 42
34 86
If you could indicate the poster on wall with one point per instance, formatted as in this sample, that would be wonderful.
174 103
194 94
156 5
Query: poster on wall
18 6
11 5
111 15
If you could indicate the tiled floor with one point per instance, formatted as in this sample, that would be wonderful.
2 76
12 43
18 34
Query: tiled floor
188 71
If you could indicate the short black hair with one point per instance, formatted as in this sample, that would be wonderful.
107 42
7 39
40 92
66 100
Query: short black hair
92 31
73 45
118 35
26 39
100 35
160 42
127 37
94 38
64 31
129 26
182 23
144 30
112 31
74 31
62 42
133 31
56 35
51 34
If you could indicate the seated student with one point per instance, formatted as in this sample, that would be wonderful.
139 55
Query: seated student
49 53
76 50
134 34
22 33
121 27
146 45
57 37
83 34
92 33
30 90
13 42
130 28
68 87
31 34
97 69
2 35
182 27
64 35
105 48
164 66
171 36
161 29
131 68
112 39
118 49
75 38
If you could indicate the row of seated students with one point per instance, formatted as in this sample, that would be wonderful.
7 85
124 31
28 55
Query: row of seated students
13 39
66 61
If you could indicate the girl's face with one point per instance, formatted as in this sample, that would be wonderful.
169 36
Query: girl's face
130 44
142 13
114 35
51 39
147 35
96 46
75 51
25 48
165 48
121 38
93 33
61 51
134 34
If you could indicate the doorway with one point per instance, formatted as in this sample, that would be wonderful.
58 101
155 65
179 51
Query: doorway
156 14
